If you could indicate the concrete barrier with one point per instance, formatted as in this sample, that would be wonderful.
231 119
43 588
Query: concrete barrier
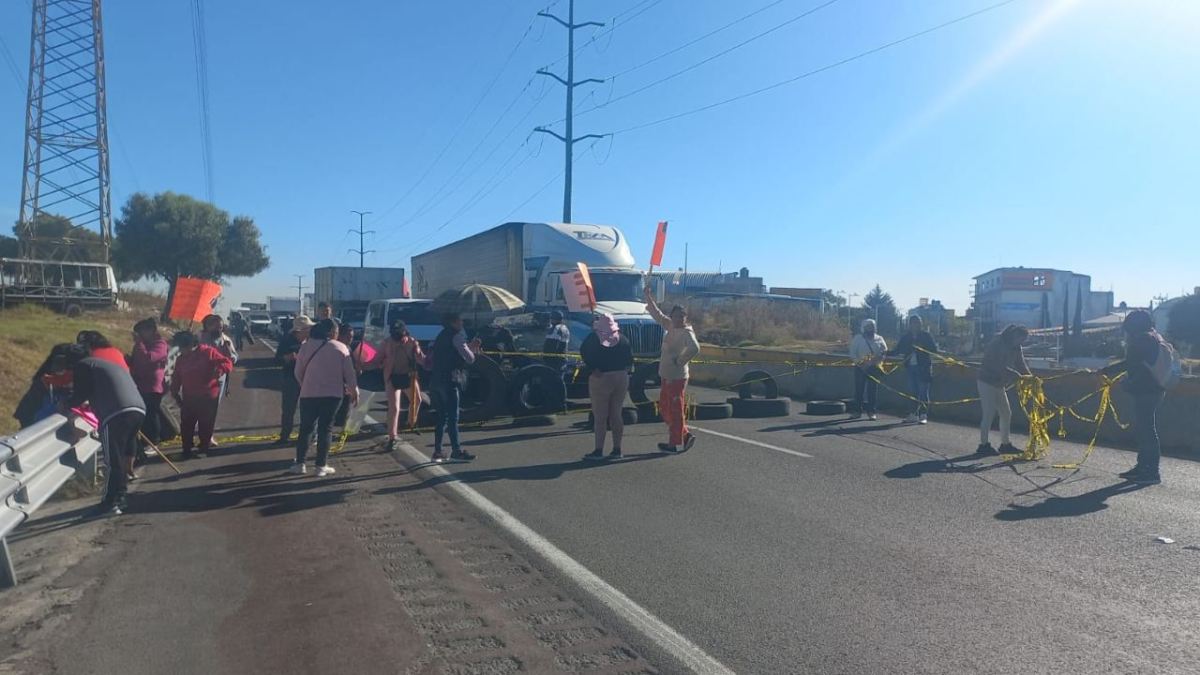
1178 418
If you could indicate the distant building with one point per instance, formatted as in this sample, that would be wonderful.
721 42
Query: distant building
813 296
937 318
1034 297
692 283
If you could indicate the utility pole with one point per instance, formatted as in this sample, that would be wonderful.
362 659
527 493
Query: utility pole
361 233
569 139
300 290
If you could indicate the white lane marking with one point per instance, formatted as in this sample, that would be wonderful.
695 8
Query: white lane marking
760 444
667 638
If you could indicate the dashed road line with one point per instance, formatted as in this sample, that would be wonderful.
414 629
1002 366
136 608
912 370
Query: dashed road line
666 638
768 446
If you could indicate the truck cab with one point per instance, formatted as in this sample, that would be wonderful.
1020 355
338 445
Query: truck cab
618 292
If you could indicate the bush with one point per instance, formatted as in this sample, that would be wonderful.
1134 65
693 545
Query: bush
749 322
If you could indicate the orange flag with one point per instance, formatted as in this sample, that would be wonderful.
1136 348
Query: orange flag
194 299
578 292
660 242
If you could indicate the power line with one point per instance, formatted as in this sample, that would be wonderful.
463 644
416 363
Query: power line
12 65
646 5
200 45
822 69
454 136
714 57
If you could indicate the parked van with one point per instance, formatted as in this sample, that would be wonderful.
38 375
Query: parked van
69 287
423 323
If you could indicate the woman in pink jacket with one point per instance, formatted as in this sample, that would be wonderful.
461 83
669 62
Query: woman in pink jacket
325 372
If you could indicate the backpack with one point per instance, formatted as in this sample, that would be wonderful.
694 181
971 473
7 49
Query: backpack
1167 368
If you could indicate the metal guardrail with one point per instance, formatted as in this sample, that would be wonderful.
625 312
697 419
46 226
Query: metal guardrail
34 463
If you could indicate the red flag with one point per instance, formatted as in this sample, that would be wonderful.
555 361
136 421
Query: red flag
660 242
405 292
194 299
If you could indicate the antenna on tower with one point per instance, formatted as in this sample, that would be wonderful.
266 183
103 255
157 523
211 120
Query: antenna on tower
66 129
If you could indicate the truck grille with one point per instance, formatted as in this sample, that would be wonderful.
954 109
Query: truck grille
645 338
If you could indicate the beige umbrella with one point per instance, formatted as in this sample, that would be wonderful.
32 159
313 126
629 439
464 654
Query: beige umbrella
476 299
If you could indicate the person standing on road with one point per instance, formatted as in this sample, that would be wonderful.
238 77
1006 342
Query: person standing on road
1003 362
196 387
679 346
148 365
289 388
324 311
558 338
213 335
867 350
1143 348
399 356
241 330
325 372
916 347
99 347
608 356
111 393
451 356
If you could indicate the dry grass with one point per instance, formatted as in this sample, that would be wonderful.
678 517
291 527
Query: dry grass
27 333
751 323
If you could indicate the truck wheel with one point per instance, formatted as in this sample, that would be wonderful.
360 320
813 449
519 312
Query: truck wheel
757 378
486 391
644 377
753 408
536 389
712 411
825 407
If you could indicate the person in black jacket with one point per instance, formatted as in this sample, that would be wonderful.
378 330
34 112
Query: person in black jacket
1143 346
608 357
451 356
916 347
289 388
114 397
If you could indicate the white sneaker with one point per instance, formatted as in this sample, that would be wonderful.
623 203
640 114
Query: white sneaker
325 471
911 419
924 419
298 469
872 417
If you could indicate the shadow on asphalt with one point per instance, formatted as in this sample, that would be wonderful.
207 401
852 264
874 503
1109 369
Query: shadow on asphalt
808 425
260 373
861 429
1068 507
517 438
550 471
948 465
59 521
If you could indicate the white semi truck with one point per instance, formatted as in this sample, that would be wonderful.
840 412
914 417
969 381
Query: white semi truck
529 260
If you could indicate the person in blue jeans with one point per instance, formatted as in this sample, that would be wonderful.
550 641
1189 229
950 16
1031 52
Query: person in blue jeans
451 356
1143 345
916 347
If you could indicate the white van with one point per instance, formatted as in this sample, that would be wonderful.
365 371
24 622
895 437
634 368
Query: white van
423 324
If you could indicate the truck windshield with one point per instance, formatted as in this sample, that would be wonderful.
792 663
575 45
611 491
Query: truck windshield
617 286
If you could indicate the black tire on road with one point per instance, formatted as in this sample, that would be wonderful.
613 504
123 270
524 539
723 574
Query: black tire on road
645 376
750 408
757 378
536 389
825 407
487 391
647 412
712 411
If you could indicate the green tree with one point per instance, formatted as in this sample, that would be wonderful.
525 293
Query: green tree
879 305
171 235
9 247
1184 321
53 231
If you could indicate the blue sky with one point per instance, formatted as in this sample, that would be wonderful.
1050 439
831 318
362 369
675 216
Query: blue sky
1052 133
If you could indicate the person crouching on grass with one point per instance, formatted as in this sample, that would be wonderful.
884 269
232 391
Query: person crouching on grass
196 387
679 346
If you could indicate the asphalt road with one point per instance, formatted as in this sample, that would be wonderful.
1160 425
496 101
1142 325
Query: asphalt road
892 548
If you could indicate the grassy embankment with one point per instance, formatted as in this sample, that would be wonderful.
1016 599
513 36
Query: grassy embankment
27 333
753 323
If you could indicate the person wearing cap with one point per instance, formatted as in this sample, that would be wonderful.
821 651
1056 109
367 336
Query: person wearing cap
866 351
289 388
558 338
608 357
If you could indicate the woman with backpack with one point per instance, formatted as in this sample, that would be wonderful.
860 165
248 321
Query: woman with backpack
325 372
1144 348
400 355
451 356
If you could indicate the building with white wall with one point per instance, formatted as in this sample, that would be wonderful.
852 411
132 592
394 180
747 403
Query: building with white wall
1034 297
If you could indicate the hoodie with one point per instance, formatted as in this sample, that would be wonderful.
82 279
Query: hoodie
679 346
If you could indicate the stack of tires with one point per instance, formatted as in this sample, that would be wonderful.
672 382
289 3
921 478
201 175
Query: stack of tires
747 405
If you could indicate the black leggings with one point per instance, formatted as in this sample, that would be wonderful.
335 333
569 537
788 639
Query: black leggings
318 413
119 440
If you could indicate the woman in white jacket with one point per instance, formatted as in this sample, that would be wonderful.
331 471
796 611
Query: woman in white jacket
679 346
867 350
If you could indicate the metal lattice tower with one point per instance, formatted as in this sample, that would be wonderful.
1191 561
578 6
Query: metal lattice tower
66 127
